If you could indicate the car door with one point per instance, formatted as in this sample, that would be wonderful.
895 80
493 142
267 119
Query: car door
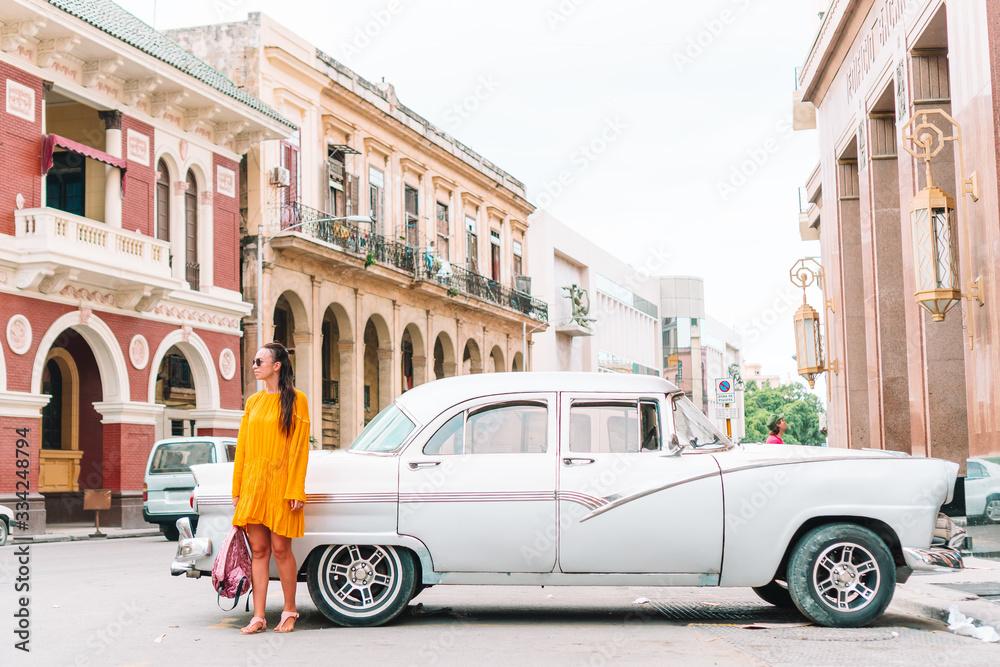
625 503
479 489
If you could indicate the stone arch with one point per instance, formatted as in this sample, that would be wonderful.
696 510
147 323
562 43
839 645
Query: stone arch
444 356
496 360
472 358
377 366
413 357
172 163
206 380
300 318
517 364
104 346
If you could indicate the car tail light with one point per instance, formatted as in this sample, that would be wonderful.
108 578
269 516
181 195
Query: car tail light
192 500
145 493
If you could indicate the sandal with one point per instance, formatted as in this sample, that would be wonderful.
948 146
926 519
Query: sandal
256 622
285 615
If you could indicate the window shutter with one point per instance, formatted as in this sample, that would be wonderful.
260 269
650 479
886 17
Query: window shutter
353 187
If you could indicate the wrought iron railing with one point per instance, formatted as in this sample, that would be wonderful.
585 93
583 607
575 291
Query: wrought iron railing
331 392
377 249
462 281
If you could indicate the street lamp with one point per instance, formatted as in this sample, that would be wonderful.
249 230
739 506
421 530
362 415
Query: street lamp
935 229
808 342
261 240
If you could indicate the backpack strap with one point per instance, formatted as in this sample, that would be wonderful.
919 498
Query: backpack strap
236 599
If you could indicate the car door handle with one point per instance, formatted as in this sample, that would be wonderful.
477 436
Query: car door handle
416 465
572 461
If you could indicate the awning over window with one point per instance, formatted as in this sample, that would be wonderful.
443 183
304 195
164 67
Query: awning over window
54 140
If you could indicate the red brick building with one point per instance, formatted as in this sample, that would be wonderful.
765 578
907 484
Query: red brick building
120 307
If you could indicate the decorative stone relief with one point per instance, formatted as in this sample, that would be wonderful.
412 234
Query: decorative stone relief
186 333
19 334
138 352
227 364
85 312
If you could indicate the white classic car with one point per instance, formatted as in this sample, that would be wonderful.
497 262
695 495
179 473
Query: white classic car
982 490
593 479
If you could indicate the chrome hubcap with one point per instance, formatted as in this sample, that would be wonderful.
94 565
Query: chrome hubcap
993 510
846 577
360 577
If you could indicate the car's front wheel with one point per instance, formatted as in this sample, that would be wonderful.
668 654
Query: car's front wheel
361 585
841 575
3 532
992 511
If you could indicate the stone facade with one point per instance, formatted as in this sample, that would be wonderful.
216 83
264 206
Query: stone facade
905 382
370 309
101 316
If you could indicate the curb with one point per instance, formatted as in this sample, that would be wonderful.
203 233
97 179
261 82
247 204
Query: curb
63 537
933 602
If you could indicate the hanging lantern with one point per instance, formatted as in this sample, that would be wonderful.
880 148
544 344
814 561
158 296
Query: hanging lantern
808 346
935 251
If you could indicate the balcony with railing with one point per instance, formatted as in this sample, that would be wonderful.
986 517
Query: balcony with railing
371 248
53 244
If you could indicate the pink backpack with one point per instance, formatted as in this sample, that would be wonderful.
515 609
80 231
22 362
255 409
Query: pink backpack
231 571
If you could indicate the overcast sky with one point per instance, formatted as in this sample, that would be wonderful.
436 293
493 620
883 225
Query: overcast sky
669 122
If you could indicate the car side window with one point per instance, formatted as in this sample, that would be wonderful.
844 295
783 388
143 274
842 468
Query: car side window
974 471
509 428
610 428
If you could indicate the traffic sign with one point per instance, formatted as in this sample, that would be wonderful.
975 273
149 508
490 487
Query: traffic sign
727 413
724 390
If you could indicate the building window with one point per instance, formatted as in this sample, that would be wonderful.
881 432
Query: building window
192 269
471 245
442 232
65 185
336 201
52 417
162 202
412 217
376 197
518 270
290 161
495 255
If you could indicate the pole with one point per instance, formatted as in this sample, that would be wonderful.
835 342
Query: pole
729 423
260 288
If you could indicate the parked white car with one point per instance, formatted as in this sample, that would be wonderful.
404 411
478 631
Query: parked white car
982 490
6 518
593 479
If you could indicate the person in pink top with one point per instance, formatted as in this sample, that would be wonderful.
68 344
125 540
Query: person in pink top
777 425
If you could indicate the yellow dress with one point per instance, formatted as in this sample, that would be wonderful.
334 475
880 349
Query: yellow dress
270 468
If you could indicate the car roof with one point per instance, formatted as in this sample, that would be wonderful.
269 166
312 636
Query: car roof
426 401
193 438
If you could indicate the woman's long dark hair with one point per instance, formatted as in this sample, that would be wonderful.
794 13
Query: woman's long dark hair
285 385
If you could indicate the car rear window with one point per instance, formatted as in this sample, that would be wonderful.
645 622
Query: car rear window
175 457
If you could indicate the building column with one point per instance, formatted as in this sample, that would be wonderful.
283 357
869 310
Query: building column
315 393
21 421
129 430
386 388
855 358
350 418
112 175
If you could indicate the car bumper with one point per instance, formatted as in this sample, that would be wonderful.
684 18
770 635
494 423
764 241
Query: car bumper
933 560
168 518
190 549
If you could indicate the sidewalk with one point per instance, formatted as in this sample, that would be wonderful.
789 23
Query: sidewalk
927 595
72 532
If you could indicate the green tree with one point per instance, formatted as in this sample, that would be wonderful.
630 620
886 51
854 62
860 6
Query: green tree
800 408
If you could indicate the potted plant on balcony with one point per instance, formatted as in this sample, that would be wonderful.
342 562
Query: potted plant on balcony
369 259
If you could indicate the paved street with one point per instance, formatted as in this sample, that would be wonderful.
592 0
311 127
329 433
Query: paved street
114 603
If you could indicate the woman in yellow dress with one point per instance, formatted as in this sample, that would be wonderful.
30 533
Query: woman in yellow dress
269 478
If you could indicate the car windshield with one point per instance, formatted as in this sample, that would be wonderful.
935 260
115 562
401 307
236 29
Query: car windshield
693 429
175 457
385 433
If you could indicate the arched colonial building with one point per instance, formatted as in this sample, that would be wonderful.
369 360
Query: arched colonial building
430 285
120 305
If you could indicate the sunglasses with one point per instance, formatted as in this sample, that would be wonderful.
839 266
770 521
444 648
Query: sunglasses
258 361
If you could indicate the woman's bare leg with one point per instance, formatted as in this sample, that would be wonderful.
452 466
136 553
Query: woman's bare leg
281 547
260 547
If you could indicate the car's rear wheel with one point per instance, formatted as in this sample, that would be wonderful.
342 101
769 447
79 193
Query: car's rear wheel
361 585
992 511
841 575
775 593
3 532
170 531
